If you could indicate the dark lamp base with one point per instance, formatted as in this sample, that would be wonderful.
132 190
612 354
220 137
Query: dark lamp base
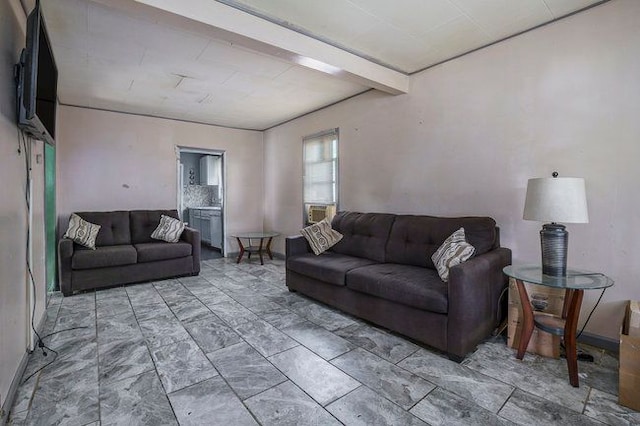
554 240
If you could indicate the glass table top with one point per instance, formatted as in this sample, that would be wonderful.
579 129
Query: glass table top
576 279
257 234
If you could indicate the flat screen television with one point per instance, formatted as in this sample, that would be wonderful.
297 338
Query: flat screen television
37 86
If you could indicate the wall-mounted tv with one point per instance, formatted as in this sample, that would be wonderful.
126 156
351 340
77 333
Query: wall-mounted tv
37 77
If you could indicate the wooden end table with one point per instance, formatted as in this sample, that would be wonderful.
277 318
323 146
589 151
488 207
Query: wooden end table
252 248
574 284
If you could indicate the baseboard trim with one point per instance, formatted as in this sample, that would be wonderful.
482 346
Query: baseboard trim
612 345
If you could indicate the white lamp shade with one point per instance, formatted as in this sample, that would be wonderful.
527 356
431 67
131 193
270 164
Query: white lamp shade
558 199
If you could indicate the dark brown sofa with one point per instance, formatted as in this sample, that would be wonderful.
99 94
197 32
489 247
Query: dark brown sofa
382 271
125 252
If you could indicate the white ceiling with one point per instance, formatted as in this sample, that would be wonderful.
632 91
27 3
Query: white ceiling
256 63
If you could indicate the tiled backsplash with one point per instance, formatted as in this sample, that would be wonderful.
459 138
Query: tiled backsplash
200 195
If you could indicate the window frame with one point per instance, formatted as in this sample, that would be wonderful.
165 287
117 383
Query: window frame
335 132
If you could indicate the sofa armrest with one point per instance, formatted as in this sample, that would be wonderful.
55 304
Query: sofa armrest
296 244
192 236
475 287
65 254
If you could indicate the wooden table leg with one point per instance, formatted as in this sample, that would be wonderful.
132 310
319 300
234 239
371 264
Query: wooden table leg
527 320
269 248
260 251
570 331
241 250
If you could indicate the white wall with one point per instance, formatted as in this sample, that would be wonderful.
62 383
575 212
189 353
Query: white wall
470 133
114 161
14 284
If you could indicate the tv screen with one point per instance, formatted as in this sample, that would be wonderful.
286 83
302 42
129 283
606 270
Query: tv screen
37 87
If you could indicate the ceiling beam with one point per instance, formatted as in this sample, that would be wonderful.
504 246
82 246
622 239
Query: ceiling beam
257 34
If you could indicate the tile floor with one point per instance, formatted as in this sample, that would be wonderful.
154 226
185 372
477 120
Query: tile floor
234 347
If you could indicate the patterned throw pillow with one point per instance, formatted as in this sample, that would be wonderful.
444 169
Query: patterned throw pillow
321 236
82 232
452 252
169 229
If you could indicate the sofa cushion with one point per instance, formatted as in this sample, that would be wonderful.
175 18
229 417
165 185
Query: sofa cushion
405 284
321 236
149 252
82 232
364 234
328 267
114 227
169 229
414 239
103 257
144 222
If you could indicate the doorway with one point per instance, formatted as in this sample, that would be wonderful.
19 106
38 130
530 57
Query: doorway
201 196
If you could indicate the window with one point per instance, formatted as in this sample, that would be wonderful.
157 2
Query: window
320 169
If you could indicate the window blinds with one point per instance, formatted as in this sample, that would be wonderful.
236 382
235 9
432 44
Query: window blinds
320 158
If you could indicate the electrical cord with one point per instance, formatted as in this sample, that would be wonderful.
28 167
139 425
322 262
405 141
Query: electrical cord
27 192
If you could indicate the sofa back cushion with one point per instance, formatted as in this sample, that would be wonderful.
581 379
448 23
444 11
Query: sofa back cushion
144 222
114 227
364 234
414 239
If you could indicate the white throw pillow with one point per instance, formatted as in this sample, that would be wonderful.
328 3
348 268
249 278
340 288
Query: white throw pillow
321 236
169 229
82 232
452 252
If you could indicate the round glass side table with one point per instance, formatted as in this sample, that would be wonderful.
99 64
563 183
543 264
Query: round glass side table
264 245
574 284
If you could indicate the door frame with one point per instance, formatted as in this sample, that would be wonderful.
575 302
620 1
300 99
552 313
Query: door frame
179 149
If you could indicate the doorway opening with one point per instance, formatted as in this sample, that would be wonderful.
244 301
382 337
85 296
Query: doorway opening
201 196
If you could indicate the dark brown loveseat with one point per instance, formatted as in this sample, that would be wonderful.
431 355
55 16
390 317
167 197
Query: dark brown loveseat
125 252
382 271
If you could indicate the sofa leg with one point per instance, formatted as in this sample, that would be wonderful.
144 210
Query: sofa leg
455 358
291 290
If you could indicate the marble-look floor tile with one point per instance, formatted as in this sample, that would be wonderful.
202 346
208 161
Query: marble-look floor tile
210 402
604 407
117 304
318 339
485 391
24 394
385 345
146 312
365 407
389 380
119 327
264 337
286 404
18 418
135 400
499 361
111 292
282 317
163 330
211 333
189 309
72 399
317 377
68 320
182 364
86 356
143 294
120 359
526 409
441 408
324 317
245 370
232 313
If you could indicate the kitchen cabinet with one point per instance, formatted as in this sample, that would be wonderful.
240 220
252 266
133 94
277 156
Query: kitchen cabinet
209 222
210 170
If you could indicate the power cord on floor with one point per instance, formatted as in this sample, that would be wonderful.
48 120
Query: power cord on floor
27 192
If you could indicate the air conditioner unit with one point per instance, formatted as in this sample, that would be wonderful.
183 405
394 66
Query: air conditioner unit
317 213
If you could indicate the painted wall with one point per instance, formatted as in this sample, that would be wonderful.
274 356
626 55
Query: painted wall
470 133
114 161
14 286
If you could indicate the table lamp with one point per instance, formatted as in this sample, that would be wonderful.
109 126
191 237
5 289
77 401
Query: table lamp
555 199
